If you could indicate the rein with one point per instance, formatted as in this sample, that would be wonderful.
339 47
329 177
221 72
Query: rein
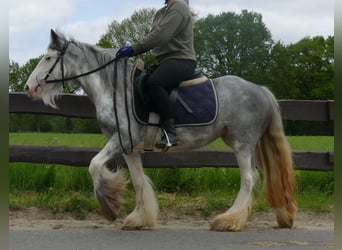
61 53
126 109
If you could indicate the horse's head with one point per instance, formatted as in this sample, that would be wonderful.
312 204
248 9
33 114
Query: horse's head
40 84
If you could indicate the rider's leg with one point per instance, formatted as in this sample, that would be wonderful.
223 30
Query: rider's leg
167 76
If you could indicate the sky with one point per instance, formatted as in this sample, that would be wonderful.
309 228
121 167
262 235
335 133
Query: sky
86 20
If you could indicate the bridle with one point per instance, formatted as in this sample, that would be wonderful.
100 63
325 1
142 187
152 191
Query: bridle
60 54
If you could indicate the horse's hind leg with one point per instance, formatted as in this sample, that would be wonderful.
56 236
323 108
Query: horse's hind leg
235 218
145 214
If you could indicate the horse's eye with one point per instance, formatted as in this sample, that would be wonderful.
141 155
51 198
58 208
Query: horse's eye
47 58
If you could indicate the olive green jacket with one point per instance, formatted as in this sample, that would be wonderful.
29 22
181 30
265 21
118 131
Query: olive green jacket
171 35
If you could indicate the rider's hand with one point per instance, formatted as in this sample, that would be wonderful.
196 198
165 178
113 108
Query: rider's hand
124 51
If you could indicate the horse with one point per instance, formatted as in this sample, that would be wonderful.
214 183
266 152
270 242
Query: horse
248 120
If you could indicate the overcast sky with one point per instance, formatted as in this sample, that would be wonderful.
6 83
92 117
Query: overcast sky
86 20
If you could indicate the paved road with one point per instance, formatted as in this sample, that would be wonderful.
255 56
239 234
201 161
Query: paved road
164 239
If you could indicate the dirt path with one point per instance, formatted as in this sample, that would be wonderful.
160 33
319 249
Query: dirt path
34 218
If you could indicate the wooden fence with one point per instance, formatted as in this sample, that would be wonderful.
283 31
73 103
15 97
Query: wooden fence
81 107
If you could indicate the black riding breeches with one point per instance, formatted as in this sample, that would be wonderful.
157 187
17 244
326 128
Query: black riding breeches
167 76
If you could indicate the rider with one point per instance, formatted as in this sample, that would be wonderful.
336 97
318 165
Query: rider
171 39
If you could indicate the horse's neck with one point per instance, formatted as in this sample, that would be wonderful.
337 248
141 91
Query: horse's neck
102 87
95 88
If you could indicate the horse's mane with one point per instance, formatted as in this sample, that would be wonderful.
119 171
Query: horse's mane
102 55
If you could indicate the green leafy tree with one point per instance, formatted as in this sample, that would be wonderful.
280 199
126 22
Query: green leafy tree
233 44
18 75
304 70
13 76
312 65
130 30
279 75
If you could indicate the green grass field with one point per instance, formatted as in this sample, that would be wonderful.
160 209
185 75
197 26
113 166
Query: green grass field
208 190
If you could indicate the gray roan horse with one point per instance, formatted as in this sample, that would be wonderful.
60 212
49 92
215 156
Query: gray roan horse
248 120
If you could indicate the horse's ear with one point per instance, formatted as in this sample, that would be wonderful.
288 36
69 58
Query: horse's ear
53 36
55 41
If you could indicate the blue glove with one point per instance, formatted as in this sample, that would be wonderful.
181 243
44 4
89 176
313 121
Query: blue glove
124 51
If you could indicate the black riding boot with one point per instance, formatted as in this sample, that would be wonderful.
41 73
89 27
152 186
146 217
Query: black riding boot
169 138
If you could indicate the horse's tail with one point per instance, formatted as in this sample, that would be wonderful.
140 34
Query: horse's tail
275 160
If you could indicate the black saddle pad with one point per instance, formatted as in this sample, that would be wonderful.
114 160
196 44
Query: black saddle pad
194 105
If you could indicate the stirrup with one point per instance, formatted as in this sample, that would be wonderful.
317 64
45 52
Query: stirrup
167 144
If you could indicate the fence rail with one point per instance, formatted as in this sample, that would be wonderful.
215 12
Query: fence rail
80 106
76 156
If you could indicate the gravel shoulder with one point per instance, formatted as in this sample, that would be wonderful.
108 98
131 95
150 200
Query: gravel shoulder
38 219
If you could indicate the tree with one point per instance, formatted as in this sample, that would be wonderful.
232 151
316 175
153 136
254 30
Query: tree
304 70
279 75
233 44
130 30
312 63
18 76
14 72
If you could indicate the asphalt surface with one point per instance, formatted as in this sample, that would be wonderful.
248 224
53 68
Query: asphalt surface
165 239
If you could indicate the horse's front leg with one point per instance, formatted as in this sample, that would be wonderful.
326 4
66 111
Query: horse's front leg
108 186
145 213
235 218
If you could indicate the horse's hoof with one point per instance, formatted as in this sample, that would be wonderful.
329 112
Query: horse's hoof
284 218
108 193
131 225
132 222
107 208
228 222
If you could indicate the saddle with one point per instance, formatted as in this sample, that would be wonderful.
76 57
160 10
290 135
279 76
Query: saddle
194 101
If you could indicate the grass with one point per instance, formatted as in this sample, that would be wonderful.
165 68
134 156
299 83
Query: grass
323 143
203 190
53 139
